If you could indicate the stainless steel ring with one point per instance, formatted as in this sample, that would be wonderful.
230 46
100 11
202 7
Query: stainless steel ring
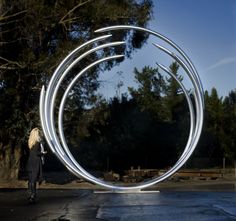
59 146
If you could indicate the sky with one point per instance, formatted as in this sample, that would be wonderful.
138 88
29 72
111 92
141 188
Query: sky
206 32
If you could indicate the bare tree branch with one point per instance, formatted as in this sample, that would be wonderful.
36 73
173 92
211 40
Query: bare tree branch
3 67
70 20
4 59
8 42
11 65
73 9
9 22
3 17
9 30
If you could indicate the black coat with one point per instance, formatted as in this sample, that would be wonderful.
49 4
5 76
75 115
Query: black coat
34 165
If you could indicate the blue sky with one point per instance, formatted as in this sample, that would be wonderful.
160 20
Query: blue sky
204 29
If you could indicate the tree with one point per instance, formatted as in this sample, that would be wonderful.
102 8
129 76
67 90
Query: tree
34 37
174 95
210 144
150 88
133 130
161 98
229 126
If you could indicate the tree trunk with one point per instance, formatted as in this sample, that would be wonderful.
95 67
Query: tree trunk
9 162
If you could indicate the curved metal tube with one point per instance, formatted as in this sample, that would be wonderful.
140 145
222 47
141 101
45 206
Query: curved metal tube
47 102
60 69
164 38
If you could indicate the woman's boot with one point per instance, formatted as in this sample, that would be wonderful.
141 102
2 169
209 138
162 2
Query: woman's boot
32 187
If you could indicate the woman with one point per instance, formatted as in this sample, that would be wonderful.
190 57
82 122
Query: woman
34 165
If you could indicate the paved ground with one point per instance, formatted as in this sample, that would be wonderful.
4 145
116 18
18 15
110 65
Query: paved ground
85 205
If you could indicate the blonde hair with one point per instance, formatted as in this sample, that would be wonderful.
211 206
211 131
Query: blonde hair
34 137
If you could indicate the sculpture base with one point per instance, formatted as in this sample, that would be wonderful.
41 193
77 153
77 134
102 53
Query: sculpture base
126 191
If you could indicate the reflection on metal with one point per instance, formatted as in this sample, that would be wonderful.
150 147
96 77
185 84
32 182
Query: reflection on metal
58 144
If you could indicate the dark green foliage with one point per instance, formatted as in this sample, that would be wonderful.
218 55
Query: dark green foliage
218 136
141 130
148 95
229 126
150 128
34 37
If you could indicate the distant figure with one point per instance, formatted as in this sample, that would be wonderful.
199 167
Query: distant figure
35 161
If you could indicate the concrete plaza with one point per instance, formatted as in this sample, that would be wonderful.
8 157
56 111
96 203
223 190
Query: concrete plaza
85 205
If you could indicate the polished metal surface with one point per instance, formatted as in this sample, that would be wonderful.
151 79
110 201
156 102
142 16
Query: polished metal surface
58 143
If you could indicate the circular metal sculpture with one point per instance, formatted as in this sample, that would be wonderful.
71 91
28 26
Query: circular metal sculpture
58 144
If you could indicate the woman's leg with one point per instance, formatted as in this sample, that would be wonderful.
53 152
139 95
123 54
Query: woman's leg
29 184
33 191
32 187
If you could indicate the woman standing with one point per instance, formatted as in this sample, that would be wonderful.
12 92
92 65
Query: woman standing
35 160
